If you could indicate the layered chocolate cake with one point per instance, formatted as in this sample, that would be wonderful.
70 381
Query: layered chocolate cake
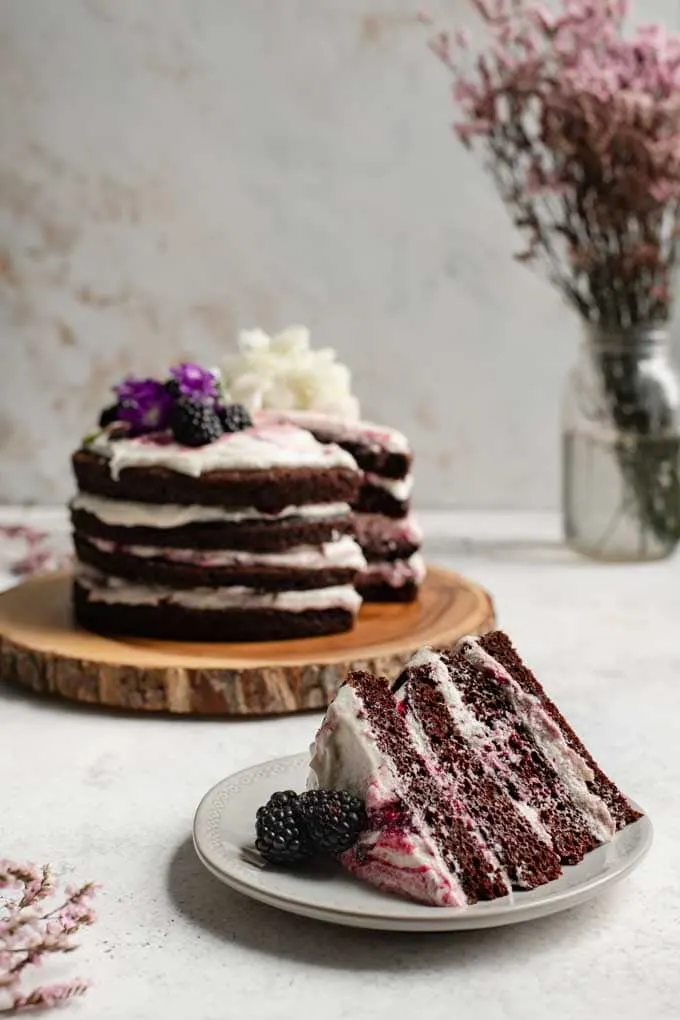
193 523
472 782
282 379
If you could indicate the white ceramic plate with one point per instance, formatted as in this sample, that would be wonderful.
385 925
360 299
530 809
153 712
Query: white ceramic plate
224 830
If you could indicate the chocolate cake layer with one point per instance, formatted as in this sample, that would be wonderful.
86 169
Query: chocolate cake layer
387 538
156 571
529 861
372 592
534 777
498 644
269 491
256 536
380 554
372 499
176 623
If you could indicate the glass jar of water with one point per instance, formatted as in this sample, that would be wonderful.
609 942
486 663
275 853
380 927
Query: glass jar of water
621 443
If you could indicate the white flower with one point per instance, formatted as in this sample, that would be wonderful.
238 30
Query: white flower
283 373
254 340
294 341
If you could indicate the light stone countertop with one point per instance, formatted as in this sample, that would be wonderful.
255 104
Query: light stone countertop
111 798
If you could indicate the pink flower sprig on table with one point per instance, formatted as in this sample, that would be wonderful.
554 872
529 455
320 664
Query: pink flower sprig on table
579 126
39 553
31 930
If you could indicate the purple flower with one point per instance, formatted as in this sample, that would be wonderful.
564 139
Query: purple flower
194 381
144 403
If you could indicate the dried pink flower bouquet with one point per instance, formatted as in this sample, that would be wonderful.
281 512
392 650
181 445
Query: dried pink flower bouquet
578 124
581 131
31 929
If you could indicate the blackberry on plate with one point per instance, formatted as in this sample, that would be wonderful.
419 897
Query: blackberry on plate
333 819
194 423
280 799
279 835
109 415
234 417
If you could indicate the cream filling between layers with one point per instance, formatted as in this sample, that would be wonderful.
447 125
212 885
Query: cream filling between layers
395 573
573 771
117 591
399 488
345 756
128 514
253 449
344 553
376 529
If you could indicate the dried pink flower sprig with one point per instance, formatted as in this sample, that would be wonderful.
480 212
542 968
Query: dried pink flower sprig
39 551
580 128
31 930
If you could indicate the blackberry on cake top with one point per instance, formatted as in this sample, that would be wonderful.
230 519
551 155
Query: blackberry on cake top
194 423
234 417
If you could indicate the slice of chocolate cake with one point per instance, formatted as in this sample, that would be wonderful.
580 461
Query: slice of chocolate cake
191 523
473 782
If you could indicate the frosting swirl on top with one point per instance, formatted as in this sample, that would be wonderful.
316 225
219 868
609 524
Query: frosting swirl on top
254 449
283 373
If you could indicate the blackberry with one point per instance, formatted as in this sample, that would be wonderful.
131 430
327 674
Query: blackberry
279 835
280 799
333 819
172 387
194 423
109 415
234 417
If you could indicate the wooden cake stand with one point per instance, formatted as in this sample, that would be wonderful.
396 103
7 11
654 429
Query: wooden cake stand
41 648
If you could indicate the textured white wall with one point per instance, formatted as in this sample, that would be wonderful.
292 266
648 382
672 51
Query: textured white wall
174 170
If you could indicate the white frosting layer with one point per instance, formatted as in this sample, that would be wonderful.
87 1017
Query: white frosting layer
345 756
395 573
117 591
283 373
573 770
254 449
128 514
378 530
399 488
344 553
340 430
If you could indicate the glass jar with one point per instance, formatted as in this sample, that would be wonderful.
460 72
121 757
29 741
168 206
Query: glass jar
621 443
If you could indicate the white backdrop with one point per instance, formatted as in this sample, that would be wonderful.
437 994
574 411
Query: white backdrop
174 170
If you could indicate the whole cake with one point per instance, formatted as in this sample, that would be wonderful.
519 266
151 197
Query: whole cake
282 379
471 781
193 523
